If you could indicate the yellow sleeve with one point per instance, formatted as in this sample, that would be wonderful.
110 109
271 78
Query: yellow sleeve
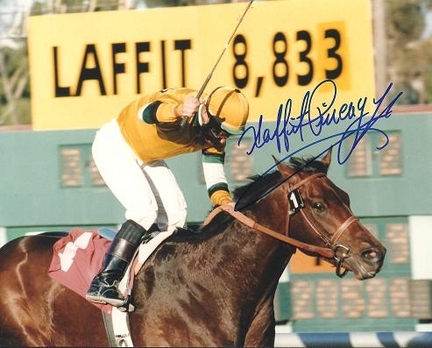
169 100
166 112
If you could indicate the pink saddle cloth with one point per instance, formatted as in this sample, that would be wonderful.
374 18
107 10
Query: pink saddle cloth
77 258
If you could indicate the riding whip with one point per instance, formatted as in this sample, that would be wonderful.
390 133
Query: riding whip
209 76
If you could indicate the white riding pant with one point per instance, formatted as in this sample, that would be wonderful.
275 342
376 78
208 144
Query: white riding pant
148 191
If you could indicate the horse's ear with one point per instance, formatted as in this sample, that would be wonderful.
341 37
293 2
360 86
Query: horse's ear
284 169
326 160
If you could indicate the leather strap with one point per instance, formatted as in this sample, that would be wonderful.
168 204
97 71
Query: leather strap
229 208
342 228
305 180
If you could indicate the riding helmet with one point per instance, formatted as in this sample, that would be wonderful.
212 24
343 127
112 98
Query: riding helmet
230 107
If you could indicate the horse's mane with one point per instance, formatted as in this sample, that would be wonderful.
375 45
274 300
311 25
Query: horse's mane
259 184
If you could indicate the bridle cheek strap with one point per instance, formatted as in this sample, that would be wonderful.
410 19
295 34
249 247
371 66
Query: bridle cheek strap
339 232
312 225
229 208
342 228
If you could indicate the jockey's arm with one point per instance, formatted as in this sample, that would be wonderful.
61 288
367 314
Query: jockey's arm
214 176
164 111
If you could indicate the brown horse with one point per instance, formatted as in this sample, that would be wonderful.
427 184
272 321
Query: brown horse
215 288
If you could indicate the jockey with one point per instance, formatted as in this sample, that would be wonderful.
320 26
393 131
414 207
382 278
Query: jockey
130 153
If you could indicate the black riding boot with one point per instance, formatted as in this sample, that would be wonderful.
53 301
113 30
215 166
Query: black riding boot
103 288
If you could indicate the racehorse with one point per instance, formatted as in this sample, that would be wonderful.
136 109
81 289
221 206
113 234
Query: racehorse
215 288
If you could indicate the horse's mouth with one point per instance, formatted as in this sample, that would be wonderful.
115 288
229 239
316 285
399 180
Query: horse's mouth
360 270
364 265
364 274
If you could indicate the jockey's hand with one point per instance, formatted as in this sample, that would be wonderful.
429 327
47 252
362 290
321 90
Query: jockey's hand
190 106
226 201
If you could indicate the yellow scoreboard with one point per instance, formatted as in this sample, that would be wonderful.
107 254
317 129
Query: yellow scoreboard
86 66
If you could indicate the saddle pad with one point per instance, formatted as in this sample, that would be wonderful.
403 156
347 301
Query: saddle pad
77 258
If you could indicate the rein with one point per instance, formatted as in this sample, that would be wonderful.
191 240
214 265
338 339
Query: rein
335 251
229 208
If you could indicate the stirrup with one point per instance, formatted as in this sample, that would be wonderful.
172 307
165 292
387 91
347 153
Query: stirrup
128 306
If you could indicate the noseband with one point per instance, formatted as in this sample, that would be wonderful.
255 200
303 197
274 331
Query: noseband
335 251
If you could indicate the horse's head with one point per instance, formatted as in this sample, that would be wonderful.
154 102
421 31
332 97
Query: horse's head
319 214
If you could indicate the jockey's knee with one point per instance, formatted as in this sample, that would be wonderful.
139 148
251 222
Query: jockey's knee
177 218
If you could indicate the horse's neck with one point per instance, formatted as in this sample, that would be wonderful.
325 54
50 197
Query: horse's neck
246 257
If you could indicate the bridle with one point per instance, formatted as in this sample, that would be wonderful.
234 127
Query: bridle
335 251
341 252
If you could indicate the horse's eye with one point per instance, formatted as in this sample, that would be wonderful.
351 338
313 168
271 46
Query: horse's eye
318 207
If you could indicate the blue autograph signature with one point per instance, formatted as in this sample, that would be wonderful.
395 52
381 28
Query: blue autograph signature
359 122
315 117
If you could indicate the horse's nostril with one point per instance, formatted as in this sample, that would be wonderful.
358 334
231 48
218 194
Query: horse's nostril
372 255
